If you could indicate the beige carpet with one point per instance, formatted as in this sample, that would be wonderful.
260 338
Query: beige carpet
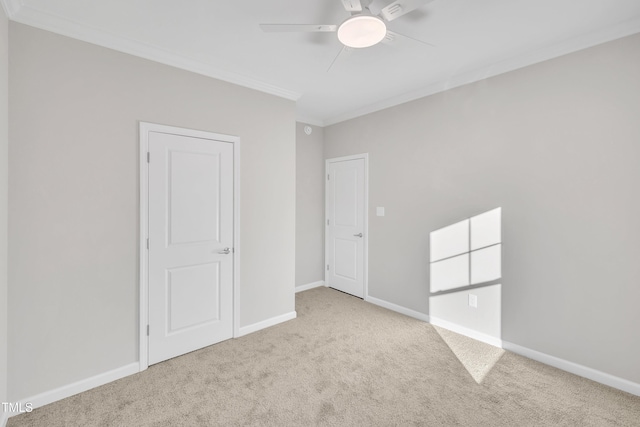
344 362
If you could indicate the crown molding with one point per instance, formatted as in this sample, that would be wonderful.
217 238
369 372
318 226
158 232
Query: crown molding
565 47
309 120
16 11
60 25
11 7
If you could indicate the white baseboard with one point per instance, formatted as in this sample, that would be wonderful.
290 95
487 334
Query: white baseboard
116 374
398 308
133 368
309 286
79 386
574 368
245 330
556 362
478 336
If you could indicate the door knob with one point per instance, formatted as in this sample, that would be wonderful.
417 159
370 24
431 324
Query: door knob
225 251
357 235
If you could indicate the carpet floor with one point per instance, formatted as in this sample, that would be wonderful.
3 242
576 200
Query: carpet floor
345 362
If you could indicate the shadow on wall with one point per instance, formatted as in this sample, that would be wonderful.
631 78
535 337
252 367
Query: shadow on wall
466 264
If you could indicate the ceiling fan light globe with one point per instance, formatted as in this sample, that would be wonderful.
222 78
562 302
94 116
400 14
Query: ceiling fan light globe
362 31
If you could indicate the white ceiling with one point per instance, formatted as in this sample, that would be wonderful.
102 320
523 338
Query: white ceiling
472 40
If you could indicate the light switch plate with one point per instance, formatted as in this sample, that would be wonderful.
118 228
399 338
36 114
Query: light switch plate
379 211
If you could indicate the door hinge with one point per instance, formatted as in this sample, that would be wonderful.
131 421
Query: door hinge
327 222
147 330
148 157
327 267
328 177
147 243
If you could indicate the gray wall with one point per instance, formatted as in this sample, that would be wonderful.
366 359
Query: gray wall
4 165
309 205
73 199
557 146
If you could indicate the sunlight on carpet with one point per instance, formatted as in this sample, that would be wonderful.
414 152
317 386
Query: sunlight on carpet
478 358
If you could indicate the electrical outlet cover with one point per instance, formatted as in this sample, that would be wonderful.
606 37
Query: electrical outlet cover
473 301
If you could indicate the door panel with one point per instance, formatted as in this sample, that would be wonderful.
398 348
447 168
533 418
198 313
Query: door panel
190 224
345 206
346 258
190 292
346 196
193 218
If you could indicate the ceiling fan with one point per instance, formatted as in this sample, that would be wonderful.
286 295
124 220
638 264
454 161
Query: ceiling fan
363 28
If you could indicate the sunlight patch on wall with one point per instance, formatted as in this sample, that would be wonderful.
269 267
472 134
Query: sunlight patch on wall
465 264
466 253
456 308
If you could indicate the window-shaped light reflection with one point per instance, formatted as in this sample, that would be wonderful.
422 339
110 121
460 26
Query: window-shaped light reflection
485 229
486 264
449 241
466 253
450 273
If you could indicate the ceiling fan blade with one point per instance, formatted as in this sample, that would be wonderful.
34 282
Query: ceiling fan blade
401 7
344 52
352 5
298 28
392 38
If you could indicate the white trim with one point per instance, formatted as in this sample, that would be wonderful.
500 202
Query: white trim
565 365
310 286
398 308
309 120
32 16
143 339
237 254
478 336
79 386
58 24
366 224
574 368
3 418
486 71
246 330
145 128
365 157
11 7
556 362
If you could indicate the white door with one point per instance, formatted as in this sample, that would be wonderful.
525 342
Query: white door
345 228
190 244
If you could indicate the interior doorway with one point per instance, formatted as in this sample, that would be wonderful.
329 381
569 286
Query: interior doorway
188 240
346 224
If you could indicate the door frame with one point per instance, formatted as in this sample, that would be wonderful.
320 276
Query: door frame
365 157
145 128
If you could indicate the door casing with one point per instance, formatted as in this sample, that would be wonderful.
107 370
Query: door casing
145 128
365 157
